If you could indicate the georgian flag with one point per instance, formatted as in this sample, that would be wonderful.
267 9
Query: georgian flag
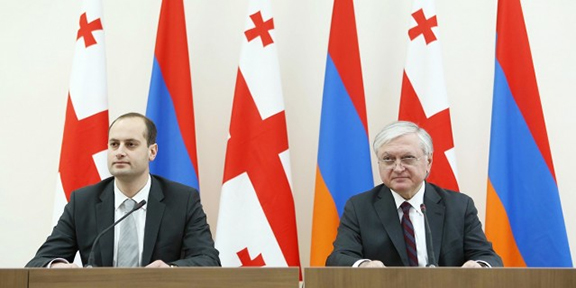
84 144
256 222
424 100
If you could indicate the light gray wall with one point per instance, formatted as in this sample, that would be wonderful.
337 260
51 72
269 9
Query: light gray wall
36 44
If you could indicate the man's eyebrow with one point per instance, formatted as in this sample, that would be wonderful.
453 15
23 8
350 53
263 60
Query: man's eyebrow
125 140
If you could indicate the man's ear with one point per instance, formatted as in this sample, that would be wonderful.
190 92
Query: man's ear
152 152
429 164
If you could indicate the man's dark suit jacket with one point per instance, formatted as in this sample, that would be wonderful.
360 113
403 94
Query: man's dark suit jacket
370 229
176 230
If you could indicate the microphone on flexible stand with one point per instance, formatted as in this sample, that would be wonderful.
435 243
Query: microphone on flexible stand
90 263
429 245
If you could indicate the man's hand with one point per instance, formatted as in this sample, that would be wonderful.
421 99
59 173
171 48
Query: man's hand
63 265
471 264
372 264
158 264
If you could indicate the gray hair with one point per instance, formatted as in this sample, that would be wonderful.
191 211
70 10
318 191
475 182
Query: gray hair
401 128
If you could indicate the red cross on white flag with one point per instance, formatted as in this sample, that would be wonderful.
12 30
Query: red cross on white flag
256 221
424 99
83 152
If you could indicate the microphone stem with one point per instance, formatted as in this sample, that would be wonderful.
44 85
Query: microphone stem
429 242
90 262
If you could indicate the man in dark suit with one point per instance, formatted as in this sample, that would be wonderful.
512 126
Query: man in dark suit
170 230
375 231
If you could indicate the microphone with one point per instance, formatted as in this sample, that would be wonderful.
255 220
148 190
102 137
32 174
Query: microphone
429 245
90 263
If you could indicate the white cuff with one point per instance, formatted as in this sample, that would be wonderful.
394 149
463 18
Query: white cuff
486 264
357 263
57 260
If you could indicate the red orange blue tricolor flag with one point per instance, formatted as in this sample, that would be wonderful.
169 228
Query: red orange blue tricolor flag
524 217
257 221
170 103
84 144
423 98
344 167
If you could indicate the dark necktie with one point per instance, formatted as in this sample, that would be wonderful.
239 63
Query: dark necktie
409 238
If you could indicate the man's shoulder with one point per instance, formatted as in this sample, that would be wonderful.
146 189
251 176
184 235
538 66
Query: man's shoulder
448 195
171 187
371 194
94 189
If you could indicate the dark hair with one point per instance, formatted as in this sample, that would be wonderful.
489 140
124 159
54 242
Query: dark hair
149 134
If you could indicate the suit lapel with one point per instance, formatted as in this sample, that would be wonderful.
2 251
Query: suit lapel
388 214
436 211
155 210
105 218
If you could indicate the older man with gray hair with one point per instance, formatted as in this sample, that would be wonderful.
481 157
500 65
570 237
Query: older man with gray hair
386 226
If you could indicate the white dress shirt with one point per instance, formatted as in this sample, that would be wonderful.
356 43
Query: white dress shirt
417 219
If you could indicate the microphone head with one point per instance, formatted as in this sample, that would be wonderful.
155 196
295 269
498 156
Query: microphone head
423 208
140 204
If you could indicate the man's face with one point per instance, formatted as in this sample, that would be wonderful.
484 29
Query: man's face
128 152
404 176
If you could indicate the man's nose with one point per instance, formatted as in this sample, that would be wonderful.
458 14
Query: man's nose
398 166
120 152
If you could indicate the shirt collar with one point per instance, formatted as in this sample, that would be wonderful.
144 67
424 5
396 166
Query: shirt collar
415 201
119 197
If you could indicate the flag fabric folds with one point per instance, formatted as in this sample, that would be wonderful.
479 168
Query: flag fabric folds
423 98
170 103
84 144
344 167
256 222
524 217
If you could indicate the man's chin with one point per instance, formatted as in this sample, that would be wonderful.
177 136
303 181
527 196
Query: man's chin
119 172
401 182
401 186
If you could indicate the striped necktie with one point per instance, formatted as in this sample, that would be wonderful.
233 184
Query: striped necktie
409 238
